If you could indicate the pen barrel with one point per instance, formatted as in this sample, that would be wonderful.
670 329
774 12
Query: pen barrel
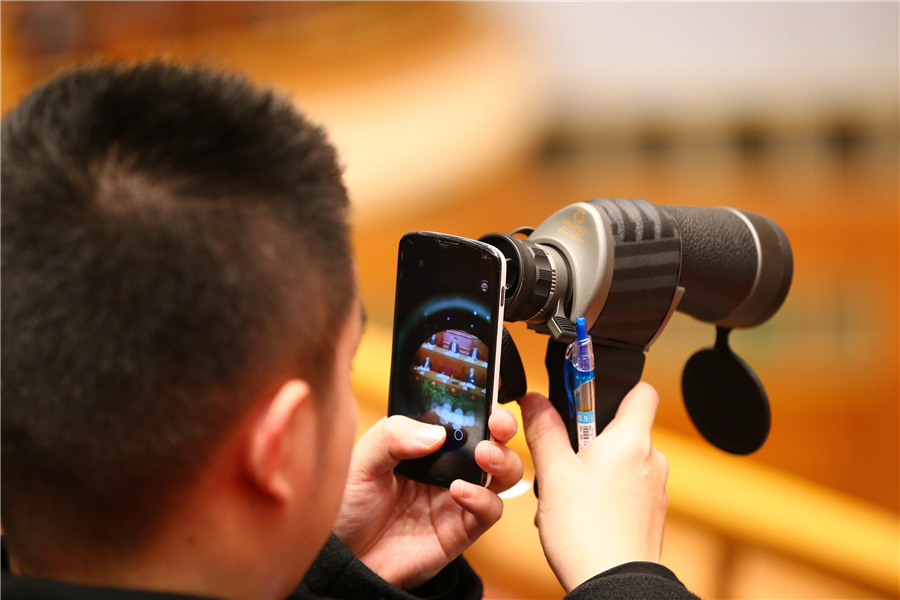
584 409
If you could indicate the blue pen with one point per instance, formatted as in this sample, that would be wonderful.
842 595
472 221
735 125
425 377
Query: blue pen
580 383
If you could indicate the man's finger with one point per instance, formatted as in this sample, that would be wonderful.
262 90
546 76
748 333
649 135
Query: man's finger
503 425
638 408
503 464
484 506
394 439
544 431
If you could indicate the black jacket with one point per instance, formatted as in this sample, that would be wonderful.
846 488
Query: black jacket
337 574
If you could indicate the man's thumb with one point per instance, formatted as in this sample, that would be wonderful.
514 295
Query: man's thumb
545 431
394 439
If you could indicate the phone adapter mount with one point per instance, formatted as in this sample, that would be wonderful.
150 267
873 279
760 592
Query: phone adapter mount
626 265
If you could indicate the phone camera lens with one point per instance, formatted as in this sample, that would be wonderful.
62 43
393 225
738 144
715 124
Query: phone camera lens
485 255
421 262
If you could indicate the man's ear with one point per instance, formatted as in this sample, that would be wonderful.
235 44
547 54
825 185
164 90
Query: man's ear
268 458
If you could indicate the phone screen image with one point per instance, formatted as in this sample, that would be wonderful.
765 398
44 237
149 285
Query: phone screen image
445 351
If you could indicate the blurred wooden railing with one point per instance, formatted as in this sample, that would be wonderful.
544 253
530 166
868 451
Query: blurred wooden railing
742 499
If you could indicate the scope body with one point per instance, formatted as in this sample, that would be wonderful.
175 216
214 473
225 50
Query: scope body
627 264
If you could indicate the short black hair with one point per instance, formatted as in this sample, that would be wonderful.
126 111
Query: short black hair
170 234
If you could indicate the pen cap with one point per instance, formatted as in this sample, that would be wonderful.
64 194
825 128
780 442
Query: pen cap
581 352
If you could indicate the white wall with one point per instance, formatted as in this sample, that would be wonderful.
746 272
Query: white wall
704 66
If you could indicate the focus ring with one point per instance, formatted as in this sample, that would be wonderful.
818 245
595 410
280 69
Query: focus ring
646 266
545 285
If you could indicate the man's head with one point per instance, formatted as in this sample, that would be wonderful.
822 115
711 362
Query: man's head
174 248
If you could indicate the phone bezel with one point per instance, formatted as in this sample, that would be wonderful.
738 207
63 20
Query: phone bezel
496 307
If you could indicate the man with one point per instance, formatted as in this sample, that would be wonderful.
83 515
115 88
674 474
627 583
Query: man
180 316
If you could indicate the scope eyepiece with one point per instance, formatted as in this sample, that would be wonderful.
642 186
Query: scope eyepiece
536 277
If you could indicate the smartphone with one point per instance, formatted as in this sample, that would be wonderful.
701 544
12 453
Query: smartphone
445 360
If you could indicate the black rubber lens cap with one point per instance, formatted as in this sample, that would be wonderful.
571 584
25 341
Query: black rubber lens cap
726 400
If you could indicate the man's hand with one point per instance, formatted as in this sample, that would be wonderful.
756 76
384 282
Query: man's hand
404 531
606 505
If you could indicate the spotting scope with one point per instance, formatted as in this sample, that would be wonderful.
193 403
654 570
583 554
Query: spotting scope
627 265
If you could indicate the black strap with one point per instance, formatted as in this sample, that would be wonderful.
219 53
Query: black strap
513 384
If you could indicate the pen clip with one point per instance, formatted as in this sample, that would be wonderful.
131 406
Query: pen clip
568 376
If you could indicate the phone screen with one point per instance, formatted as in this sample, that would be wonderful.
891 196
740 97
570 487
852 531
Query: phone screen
447 318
